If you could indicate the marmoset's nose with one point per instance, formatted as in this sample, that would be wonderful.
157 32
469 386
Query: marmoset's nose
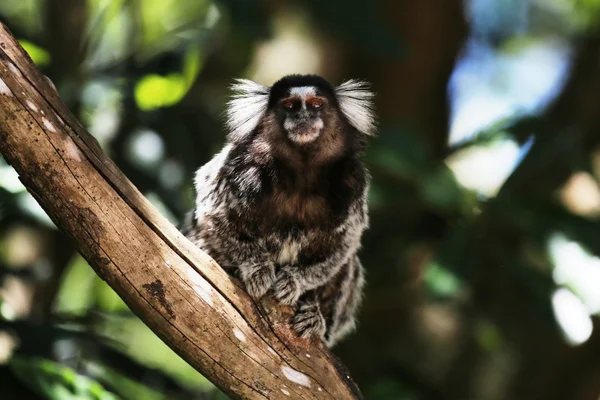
302 113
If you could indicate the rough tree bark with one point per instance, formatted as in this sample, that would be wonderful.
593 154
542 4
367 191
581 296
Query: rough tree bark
175 288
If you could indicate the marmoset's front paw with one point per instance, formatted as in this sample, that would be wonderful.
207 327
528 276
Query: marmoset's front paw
308 321
287 288
258 278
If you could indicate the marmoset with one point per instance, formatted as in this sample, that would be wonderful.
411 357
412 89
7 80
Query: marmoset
284 204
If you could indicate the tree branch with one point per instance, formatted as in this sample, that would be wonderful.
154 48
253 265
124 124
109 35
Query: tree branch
175 288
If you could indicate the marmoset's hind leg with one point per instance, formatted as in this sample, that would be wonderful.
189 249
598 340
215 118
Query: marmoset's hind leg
328 311
339 301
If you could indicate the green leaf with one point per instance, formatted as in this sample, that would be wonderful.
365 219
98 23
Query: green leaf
142 345
162 20
40 56
57 382
106 298
127 388
192 64
75 295
441 282
155 91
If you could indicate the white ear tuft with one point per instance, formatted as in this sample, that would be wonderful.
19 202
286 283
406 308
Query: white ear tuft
246 108
356 102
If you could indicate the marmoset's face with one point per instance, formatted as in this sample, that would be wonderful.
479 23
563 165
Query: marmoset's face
302 113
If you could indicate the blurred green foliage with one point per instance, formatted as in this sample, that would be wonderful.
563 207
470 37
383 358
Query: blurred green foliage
472 232
57 382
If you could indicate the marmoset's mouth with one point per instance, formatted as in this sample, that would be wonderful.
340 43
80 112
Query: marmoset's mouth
303 132
304 137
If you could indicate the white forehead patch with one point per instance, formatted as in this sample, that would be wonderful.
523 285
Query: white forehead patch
303 91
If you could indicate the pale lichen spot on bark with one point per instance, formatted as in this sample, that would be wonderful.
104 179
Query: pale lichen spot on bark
31 106
15 70
48 125
307 355
285 392
204 294
201 287
295 376
51 84
74 152
4 89
239 335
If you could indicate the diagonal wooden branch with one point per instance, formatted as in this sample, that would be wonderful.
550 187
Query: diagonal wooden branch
175 288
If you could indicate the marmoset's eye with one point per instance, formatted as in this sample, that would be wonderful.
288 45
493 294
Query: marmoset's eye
315 104
290 104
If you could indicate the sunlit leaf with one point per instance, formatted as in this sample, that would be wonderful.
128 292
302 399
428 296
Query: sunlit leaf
140 343
75 295
162 17
26 14
441 282
107 32
56 382
106 298
192 64
125 387
155 91
39 55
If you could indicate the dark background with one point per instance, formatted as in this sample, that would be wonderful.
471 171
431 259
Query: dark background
483 276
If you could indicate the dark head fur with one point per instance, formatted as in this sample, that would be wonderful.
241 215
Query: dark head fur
302 118
282 87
